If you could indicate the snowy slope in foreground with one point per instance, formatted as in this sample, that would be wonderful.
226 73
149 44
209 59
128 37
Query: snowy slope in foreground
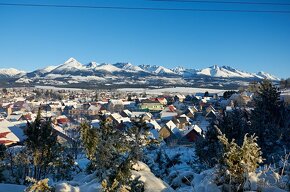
90 184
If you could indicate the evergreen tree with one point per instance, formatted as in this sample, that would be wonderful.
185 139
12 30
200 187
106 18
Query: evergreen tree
228 94
112 152
268 117
2 164
235 125
209 149
90 139
42 143
238 161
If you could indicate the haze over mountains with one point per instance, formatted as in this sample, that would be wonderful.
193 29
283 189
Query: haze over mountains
73 72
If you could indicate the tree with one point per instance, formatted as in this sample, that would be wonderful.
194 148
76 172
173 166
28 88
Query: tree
5 91
228 94
267 118
42 144
239 161
235 125
2 165
112 152
285 83
90 140
209 149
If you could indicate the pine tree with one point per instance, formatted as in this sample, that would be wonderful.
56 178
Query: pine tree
42 143
267 116
90 140
238 161
112 153
235 125
2 165
209 149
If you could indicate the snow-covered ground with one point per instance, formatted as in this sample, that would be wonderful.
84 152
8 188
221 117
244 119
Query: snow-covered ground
185 90
88 183
57 88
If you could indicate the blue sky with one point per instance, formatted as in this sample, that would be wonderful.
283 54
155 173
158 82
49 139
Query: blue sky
35 37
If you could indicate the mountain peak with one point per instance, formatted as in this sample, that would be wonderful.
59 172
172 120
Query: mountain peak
71 60
216 67
92 64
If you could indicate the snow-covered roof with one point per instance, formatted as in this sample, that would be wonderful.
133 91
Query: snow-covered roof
140 113
7 136
154 124
95 123
173 127
119 118
116 102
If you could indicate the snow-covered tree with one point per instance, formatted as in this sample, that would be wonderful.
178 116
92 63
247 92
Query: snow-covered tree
209 149
268 119
235 125
239 161
42 143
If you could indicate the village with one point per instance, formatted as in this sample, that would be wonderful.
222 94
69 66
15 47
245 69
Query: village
174 118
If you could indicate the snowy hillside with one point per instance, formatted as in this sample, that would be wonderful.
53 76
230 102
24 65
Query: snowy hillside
11 72
262 74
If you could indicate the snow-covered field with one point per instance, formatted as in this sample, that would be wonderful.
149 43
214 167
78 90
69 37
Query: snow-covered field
57 88
185 90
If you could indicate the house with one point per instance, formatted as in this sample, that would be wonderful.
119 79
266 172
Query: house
126 113
61 134
62 120
210 108
12 132
130 105
150 105
192 134
211 115
95 123
21 106
181 121
141 114
168 113
190 112
67 109
170 133
179 97
116 119
15 116
170 130
153 124
115 105
162 100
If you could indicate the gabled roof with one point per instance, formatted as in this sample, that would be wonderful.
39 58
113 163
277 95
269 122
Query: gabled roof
127 112
94 108
196 128
117 117
140 114
153 124
171 126
6 135
211 114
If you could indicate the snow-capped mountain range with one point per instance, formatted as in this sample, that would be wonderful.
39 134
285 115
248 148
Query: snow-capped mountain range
73 71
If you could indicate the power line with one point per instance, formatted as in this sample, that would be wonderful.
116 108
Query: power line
226 2
144 8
